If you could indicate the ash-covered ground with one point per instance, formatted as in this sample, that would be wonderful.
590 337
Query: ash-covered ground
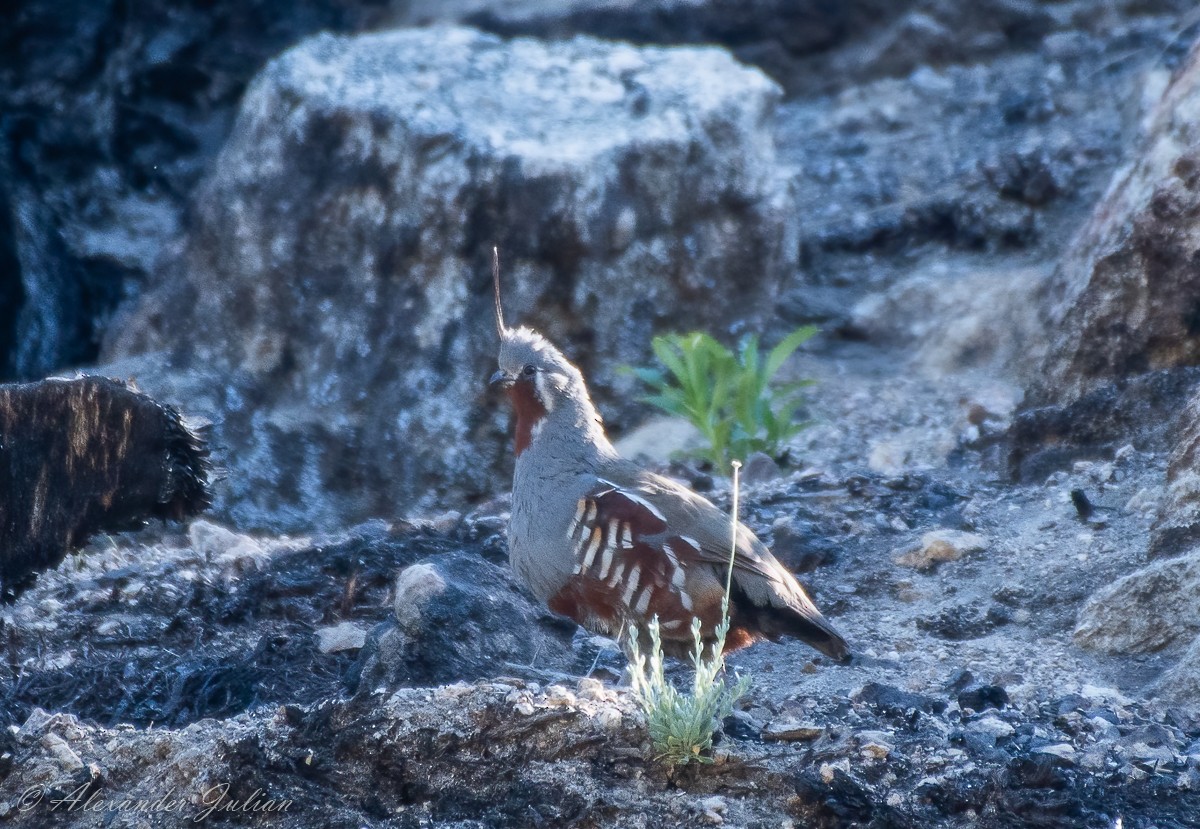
968 703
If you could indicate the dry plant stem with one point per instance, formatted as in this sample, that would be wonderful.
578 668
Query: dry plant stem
733 526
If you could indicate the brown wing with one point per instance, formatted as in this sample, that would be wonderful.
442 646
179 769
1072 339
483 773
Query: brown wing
630 567
766 600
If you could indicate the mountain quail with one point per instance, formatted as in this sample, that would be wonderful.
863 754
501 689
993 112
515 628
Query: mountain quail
608 544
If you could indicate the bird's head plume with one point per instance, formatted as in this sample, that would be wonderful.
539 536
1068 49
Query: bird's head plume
500 329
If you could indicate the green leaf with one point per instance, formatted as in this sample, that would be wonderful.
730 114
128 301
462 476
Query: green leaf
668 402
649 376
749 355
787 347
665 351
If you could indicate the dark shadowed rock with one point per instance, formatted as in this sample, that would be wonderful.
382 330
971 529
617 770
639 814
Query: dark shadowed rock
982 697
78 457
507 755
338 267
457 617
1123 301
897 703
1142 410
807 45
111 116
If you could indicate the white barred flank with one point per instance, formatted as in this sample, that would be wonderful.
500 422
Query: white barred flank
678 578
643 601
606 561
632 496
600 543
616 576
631 584
614 532
637 499
592 547
671 557
580 508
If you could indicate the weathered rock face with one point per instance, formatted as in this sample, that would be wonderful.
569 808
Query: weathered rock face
497 753
338 263
1180 684
1146 611
980 319
1123 301
280 620
1177 527
807 45
111 116
1140 410
115 113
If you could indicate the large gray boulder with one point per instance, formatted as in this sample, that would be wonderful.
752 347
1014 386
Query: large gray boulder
336 274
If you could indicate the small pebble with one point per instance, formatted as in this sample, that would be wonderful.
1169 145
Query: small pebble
712 809
345 636
1063 751
791 730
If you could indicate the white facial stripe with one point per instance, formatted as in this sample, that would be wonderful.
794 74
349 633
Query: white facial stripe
686 601
545 399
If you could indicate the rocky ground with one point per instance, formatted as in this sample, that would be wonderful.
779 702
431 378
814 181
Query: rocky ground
1018 582
186 661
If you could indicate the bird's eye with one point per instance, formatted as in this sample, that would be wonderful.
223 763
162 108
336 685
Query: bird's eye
529 370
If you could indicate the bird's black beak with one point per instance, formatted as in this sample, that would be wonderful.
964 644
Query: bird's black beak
501 379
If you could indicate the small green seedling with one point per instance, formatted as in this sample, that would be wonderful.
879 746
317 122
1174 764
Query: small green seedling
731 397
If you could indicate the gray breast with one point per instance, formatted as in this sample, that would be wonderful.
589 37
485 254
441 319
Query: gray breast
543 505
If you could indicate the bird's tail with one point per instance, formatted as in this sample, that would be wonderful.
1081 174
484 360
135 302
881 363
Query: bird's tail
798 619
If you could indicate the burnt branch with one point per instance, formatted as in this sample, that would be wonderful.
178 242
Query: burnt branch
83 456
